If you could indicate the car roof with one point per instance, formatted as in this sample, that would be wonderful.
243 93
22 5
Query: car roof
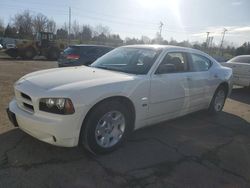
242 56
157 46
90 45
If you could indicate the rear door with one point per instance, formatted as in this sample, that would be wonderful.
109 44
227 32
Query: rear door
198 78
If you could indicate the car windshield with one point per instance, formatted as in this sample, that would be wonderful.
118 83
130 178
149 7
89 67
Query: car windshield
241 59
128 60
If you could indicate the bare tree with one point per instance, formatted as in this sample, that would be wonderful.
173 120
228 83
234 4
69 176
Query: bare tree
40 22
86 34
51 26
1 27
61 34
158 39
23 22
65 26
145 39
76 29
100 29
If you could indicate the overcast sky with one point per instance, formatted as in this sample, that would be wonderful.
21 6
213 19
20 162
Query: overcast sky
182 19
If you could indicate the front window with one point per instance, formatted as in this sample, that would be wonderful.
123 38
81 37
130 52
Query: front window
173 62
129 60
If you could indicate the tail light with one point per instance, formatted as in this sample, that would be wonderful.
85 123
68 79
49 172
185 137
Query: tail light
73 56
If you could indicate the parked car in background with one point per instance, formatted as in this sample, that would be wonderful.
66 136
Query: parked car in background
126 89
8 46
76 55
241 69
1 46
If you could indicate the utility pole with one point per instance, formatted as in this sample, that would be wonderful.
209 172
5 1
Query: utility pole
69 25
222 40
210 43
207 41
161 25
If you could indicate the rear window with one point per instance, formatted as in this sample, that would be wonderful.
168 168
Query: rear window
72 50
96 51
199 63
241 59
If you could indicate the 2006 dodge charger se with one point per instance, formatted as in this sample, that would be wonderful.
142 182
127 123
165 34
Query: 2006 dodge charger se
126 89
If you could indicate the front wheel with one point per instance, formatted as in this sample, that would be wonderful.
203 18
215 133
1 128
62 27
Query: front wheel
106 127
218 100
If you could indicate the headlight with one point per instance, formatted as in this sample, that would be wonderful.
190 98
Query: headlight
56 105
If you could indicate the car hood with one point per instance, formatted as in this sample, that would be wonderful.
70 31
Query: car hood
77 77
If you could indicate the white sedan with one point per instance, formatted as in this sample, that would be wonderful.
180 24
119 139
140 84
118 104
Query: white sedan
241 69
127 89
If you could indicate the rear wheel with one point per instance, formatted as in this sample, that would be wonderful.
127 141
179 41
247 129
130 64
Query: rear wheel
53 54
218 100
28 53
106 127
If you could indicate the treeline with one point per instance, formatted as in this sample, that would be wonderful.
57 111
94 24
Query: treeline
25 25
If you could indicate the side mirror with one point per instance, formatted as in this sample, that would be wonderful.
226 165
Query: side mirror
165 68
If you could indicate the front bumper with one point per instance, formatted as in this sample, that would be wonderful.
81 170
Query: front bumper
62 130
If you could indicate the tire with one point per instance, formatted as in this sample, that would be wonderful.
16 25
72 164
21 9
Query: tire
218 100
53 54
103 120
28 53
12 52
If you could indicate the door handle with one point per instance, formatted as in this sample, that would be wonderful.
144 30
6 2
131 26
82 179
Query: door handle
216 76
189 78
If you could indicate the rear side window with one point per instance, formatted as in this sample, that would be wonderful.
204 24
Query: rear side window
241 59
91 51
72 50
199 63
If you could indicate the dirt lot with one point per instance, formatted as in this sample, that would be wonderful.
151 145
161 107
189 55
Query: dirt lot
198 150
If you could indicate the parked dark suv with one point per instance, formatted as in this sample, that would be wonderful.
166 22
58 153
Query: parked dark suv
76 55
